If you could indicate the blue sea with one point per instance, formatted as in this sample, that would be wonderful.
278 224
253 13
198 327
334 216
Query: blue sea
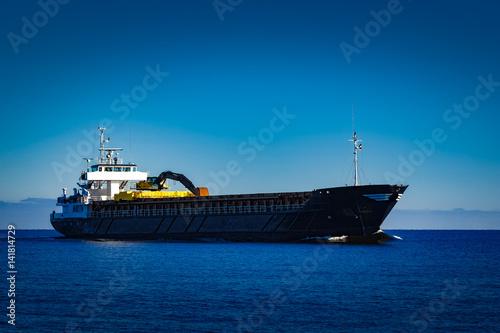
420 281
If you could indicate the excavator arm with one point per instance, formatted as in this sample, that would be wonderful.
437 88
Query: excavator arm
160 180
157 183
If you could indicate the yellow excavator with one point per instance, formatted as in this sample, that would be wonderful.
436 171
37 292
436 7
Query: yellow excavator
151 188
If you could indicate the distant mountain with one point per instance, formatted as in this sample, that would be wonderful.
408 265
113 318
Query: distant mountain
33 213
30 213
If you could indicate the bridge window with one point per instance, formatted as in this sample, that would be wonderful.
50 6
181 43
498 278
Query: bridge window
100 168
94 168
108 169
134 169
77 209
117 169
126 169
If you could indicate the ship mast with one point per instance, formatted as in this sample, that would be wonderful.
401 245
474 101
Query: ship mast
356 148
102 129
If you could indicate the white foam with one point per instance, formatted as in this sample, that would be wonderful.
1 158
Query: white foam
338 239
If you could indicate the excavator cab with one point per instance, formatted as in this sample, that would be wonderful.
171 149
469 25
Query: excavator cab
151 184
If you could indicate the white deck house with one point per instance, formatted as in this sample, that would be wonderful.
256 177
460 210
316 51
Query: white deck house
100 182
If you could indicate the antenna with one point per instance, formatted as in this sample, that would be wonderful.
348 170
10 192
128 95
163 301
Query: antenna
130 142
353 118
88 162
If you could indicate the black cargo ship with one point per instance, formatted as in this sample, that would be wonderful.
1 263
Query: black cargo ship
104 209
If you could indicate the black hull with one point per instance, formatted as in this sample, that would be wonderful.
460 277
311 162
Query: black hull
349 211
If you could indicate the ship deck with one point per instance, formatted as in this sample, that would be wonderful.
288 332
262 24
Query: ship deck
237 203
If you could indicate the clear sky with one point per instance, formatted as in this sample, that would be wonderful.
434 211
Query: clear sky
266 86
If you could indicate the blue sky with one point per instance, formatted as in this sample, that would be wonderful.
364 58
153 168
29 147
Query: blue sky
218 83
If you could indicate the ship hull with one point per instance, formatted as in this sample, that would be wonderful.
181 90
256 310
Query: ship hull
331 212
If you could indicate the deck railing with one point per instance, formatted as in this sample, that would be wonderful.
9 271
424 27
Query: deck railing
196 211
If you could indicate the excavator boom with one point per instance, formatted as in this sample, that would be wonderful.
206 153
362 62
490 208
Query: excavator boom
157 183
160 180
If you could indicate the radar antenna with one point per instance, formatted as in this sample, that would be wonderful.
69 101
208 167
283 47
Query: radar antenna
107 158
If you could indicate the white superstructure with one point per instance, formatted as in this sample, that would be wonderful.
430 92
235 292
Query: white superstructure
101 181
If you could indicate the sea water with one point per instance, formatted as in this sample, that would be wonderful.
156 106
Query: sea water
434 281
